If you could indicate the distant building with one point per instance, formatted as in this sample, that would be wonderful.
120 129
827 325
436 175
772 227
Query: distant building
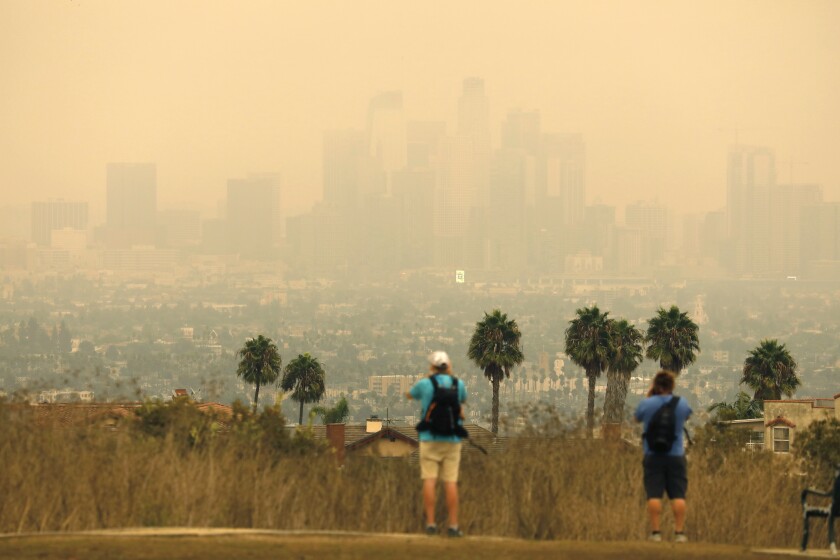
751 175
254 218
400 383
179 228
131 204
783 419
54 215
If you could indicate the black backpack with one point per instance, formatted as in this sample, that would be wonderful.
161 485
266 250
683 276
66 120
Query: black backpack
662 430
444 411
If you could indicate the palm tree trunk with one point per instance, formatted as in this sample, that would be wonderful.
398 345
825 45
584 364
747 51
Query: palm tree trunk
613 404
256 396
300 419
494 425
590 405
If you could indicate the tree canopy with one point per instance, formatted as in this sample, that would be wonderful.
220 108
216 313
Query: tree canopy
304 376
495 347
672 339
770 371
588 345
259 363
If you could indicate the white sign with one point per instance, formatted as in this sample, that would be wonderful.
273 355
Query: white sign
459 276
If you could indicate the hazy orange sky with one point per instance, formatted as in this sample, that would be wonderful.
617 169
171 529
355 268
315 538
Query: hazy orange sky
213 90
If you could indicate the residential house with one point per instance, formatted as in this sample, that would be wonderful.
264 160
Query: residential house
776 430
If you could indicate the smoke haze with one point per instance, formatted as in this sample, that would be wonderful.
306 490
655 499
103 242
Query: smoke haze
212 91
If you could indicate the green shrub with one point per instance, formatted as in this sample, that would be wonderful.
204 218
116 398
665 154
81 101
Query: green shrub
818 446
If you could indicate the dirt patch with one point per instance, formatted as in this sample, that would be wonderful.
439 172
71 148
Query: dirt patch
226 544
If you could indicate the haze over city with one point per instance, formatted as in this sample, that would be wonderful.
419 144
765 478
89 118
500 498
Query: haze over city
210 92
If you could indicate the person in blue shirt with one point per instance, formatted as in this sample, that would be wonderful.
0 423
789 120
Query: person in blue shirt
665 472
440 455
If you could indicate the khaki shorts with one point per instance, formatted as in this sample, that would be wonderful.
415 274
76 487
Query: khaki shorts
440 459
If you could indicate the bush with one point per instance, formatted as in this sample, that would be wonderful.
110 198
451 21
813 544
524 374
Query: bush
179 419
818 446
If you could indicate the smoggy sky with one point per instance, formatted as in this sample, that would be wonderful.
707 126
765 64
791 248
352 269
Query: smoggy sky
214 90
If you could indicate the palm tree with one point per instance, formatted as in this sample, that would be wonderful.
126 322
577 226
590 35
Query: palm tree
742 408
334 415
588 345
305 377
672 339
495 348
625 355
770 371
260 363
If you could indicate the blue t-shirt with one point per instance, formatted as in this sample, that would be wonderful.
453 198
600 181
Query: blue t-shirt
648 407
424 392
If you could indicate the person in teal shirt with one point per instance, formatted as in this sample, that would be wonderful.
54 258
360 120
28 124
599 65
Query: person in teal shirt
440 455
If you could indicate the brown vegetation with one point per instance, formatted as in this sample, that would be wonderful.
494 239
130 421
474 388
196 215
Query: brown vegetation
540 486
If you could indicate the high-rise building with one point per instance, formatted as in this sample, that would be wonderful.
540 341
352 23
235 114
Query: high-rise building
599 223
787 202
254 218
345 163
131 204
820 240
651 220
455 204
179 228
751 175
387 142
52 215
521 131
564 166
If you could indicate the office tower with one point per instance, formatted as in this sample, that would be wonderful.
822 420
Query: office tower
318 240
387 134
751 175
414 192
563 167
786 204
820 241
57 214
179 228
713 236
455 204
651 220
345 163
627 256
505 234
131 204
599 222
473 118
255 223
521 131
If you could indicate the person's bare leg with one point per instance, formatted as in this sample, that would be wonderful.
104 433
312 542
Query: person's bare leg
451 489
679 508
654 508
429 496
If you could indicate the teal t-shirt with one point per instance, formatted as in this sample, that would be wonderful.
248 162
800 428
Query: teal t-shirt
424 392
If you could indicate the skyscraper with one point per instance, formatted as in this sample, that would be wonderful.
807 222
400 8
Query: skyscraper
131 204
344 165
820 240
751 175
387 134
787 202
255 222
57 214
651 220
564 165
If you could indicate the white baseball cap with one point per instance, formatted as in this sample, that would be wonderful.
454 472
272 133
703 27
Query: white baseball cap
439 359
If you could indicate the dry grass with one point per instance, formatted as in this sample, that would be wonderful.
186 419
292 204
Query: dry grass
541 487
